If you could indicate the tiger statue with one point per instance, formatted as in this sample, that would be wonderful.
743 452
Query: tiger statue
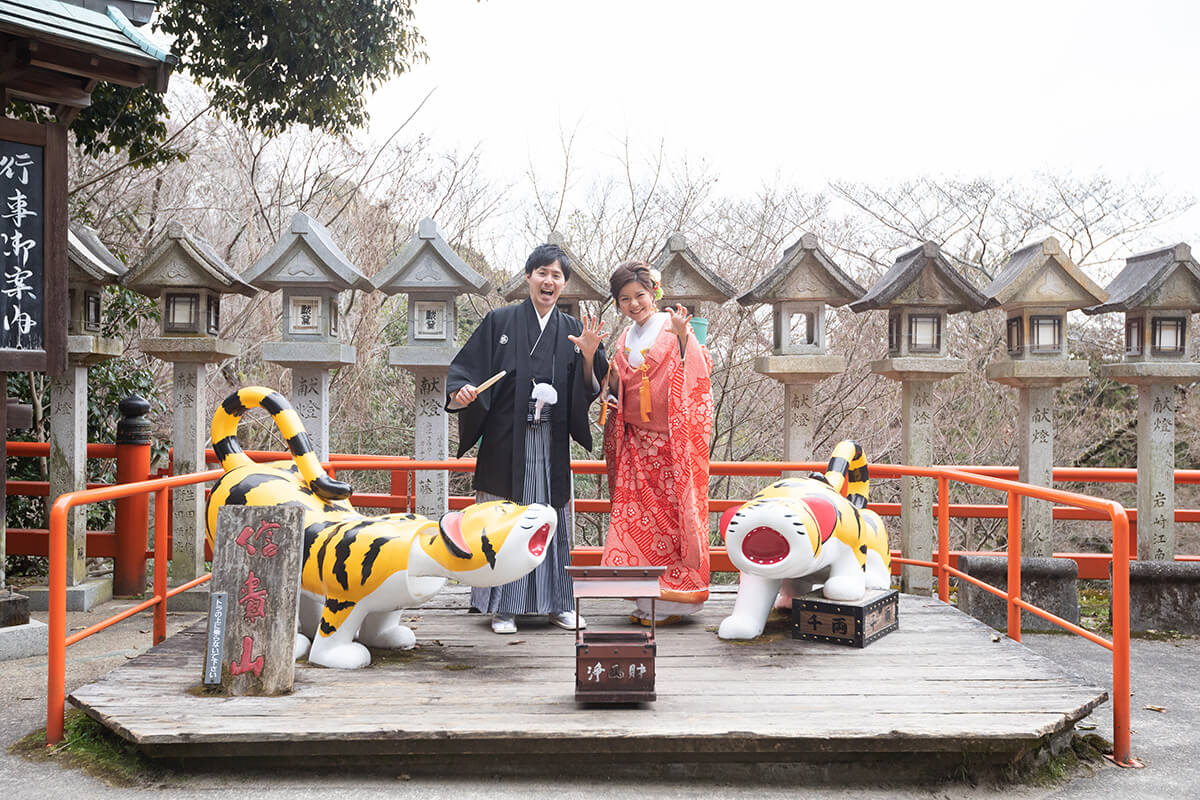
800 533
358 572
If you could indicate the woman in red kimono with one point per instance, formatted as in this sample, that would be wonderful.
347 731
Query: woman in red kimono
656 438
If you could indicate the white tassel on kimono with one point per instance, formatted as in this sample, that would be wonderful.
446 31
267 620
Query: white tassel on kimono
543 394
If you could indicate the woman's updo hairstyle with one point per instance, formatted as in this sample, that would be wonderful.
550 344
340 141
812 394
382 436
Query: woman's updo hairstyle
629 271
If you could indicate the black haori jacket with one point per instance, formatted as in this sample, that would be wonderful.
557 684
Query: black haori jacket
503 341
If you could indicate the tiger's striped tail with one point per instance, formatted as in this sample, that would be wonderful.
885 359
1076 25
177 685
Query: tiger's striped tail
848 466
229 451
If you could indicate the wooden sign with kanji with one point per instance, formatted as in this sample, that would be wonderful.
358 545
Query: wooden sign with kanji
256 564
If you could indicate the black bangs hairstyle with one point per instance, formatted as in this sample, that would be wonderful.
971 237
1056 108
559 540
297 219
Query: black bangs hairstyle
546 254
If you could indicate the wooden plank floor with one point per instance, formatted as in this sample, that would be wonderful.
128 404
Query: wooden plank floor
938 685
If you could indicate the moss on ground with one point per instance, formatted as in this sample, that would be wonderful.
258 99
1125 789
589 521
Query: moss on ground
92 748
1087 750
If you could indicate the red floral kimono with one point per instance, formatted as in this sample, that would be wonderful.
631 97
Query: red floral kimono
658 464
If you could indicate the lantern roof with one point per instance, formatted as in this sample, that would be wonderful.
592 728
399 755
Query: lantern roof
179 259
89 258
582 285
306 257
62 49
686 277
805 272
1165 278
428 265
922 277
1041 274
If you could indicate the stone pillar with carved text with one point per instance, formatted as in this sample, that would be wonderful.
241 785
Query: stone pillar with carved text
68 460
432 441
189 433
1156 471
917 495
1035 434
310 398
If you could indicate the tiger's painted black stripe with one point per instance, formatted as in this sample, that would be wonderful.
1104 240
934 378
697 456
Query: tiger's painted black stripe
368 562
240 490
489 552
226 447
275 403
232 405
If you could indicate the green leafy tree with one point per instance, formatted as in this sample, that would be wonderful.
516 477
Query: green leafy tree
265 63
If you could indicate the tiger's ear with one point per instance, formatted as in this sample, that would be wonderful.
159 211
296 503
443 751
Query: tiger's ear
726 518
450 526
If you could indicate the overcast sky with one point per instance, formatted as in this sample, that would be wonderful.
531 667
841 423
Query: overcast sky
811 92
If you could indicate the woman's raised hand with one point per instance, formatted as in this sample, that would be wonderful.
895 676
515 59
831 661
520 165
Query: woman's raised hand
679 320
593 333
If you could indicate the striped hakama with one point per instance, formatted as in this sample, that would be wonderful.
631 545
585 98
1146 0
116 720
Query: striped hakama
546 590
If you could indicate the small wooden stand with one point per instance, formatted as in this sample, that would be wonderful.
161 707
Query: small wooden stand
615 666
854 624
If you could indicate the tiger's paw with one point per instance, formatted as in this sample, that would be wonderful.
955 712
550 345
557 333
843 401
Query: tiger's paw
846 588
398 637
300 646
351 655
736 627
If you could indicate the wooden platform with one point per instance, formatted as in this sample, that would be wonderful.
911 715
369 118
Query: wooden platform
942 684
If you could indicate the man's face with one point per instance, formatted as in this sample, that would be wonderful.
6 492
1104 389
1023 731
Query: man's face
545 285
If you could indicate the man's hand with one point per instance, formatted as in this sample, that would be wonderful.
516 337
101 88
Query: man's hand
466 395
589 340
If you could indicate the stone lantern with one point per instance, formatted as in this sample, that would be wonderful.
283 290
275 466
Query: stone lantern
1158 291
688 282
90 267
918 292
433 276
311 272
799 288
1036 288
187 278
582 285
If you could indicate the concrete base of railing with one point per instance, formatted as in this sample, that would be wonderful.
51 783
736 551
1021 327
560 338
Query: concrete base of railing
23 641
1164 596
194 599
83 597
1048 583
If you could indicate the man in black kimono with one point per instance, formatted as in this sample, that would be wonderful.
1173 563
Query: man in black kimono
554 366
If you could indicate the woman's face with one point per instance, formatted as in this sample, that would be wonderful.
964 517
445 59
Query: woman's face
636 302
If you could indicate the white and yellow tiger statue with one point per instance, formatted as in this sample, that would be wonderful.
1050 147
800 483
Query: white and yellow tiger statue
800 533
359 572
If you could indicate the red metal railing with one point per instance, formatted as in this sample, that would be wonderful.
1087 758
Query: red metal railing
1113 511
1091 566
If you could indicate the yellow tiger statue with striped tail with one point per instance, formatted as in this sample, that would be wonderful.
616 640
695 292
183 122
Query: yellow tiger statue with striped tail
359 572
800 533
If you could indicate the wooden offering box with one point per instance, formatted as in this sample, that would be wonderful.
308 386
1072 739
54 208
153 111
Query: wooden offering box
615 666
855 624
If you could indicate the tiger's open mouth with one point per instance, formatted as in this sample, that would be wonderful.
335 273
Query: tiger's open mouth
765 545
537 543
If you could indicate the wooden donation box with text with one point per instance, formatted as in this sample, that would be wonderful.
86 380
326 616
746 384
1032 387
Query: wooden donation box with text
854 623
252 606
615 666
